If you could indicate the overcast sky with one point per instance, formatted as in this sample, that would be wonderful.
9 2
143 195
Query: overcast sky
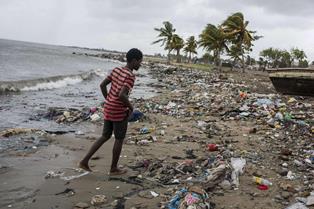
123 24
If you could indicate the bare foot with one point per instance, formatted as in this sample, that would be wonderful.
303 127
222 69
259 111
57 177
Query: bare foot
84 166
117 172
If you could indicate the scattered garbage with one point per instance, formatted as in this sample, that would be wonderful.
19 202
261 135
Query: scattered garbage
310 199
212 147
95 117
68 191
82 205
136 115
99 200
146 130
262 181
238 166
66 174
16 131
194 197
222 116
297 205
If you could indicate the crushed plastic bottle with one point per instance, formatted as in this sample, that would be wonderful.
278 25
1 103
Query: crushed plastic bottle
146 130
262 181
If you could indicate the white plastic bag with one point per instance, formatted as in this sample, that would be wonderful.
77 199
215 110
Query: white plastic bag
238 166
297 205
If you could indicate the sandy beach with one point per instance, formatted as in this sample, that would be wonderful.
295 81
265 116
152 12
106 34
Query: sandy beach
192 109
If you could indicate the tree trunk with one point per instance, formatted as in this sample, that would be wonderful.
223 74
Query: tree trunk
233 64
168 59
219 62
243 63
189 60
178 56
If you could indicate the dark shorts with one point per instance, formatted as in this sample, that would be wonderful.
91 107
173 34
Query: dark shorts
119 129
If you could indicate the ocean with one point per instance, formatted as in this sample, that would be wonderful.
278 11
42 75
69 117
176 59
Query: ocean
35 77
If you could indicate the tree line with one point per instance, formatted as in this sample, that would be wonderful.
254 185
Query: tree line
231 38
273 58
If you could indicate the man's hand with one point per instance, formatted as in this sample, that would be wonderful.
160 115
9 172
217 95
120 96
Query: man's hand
131 109
123 96
103 87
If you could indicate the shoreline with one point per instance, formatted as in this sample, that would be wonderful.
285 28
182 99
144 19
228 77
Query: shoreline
192 109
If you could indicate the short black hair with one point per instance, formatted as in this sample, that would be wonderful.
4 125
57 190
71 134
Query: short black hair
134 54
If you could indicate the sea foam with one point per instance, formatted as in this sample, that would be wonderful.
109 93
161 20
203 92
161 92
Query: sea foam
54 84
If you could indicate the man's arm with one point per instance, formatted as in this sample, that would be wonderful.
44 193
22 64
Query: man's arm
123 96
103 87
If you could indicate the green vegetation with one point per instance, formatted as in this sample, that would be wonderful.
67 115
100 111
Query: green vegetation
231 38
190 47
215 40
274 58
165 37
177 44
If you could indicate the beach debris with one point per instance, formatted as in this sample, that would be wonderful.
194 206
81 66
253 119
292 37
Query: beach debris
262 181
16 131
310 199
82 205
99 200
148 194
220 115
237 165
135 116
70 115
297 205
67 191
146 130
69 178
65 174
194 197
53 174
95 117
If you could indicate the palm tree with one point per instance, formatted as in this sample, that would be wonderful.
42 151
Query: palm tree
213 39
285 59
207 58
272 56
298 55
190 47
165 36
177 44
236 29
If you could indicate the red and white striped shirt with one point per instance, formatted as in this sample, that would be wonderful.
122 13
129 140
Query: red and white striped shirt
114 109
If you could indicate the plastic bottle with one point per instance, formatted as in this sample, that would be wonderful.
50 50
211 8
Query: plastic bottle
261 181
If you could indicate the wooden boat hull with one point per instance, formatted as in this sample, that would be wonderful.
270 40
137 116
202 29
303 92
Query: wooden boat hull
293 81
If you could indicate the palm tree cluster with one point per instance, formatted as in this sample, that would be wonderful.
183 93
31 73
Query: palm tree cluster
274 58
232 37
172 41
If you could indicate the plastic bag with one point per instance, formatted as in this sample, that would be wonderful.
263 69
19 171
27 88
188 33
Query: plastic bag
237 165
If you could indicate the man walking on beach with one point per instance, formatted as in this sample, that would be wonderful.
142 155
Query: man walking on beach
117 109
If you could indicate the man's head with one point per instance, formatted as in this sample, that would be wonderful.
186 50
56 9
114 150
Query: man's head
134 58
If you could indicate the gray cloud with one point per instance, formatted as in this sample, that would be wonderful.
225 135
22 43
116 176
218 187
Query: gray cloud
121 24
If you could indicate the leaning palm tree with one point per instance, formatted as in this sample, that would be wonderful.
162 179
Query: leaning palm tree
235 27
177 44
213 39
190 47
165 36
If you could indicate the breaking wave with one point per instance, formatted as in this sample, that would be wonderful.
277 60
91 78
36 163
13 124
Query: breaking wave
47 83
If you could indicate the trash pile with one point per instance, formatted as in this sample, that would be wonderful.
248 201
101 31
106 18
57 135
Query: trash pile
70 115
282 125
